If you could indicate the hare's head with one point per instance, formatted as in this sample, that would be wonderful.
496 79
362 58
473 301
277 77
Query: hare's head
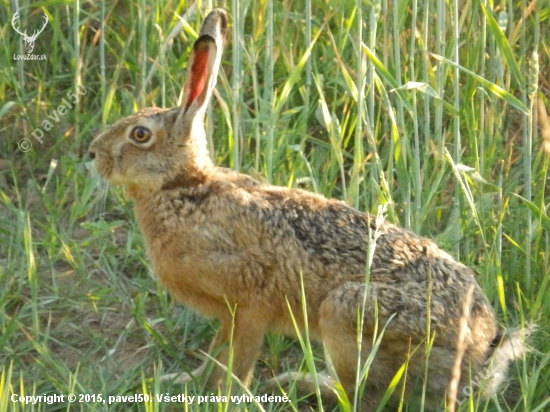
156 146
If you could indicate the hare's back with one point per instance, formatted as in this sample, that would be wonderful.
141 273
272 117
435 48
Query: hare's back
407 270
327 231
334 239
338 236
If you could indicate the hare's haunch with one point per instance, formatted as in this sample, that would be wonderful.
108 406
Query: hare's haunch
220 240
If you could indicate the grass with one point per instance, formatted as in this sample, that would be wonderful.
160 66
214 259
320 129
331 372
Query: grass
428 105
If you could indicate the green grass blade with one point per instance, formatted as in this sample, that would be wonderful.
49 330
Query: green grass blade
491 87
386 76
544 219
503 46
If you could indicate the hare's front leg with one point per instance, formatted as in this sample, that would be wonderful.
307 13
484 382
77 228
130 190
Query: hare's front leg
243 336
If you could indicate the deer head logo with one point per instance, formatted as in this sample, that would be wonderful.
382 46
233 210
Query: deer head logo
29 40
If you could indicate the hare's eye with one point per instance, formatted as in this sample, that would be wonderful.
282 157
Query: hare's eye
141 134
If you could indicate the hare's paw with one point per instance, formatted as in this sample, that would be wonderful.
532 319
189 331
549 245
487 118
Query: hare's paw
305 383
183 377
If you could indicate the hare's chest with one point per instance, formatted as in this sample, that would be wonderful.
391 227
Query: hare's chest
179 240
190 274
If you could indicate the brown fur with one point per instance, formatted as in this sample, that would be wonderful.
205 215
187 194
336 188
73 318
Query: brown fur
218 239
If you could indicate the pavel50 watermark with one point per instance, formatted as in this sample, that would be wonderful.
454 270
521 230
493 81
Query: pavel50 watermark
68 103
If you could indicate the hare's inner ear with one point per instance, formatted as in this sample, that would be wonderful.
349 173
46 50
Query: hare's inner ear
200 75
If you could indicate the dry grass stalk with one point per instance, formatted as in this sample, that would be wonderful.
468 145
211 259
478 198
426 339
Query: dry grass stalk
460 349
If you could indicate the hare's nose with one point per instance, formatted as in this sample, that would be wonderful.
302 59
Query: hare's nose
91 154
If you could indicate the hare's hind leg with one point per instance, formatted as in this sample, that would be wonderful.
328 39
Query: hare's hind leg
338 323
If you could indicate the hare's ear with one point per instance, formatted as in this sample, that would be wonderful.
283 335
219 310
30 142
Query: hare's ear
202 71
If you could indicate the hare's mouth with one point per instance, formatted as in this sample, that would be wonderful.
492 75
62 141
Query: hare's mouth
103 168
117 177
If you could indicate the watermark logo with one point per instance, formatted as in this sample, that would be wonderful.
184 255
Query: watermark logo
29 40
494 367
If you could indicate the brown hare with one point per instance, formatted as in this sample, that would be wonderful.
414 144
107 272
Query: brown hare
222 242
